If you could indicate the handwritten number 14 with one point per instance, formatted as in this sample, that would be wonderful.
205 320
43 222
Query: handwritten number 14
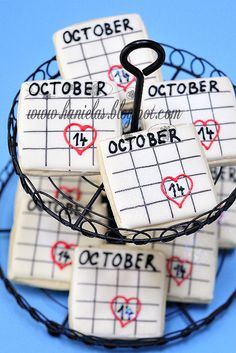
176 188
205 132
79 137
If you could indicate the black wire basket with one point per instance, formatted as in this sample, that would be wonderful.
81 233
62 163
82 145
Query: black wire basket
189 321
187 65
178 63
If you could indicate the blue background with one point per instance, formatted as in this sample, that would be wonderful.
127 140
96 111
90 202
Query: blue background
206 28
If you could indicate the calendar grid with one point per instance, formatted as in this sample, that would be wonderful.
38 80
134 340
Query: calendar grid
176 102
92 57
192 246
140 187
189 108
159 169
105 53
85 61
45 233
94 283
54 139
183 169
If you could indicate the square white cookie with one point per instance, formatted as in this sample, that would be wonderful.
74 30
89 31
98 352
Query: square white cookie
61 122
227 221
92 49
208 103
156 177
41 248
191 263
118 293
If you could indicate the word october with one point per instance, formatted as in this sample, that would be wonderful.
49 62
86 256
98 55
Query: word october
86 33
123 260
150 139
76 88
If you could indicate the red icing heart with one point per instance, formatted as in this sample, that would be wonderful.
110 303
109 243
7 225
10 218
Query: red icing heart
125 301
80 150
67 247
67 190
124 86
207 144
176 187
179 261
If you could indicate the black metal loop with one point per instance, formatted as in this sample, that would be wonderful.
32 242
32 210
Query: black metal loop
138 44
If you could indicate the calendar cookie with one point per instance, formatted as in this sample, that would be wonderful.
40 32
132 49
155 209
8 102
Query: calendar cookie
191 263
117 293
61 122
227 221
156 177
41 248
208 103
92 49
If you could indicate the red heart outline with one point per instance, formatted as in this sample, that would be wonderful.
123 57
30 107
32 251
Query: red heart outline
126 301
124 87
80 151
68 191
53 250
204 123
179 204
179 260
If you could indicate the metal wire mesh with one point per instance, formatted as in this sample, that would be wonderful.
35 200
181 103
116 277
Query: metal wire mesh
179 64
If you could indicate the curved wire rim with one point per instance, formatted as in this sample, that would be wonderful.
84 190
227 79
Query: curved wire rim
56 329
113 234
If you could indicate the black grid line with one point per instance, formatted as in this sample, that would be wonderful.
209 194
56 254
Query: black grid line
137 296
46 134
159 169
176 248
50 138
192 261
95 299
57 237
137 186
213 116
140 188
36 241
221 136
117 292
82 283
36 227
182 166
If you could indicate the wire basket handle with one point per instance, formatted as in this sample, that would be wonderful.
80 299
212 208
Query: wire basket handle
138 44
